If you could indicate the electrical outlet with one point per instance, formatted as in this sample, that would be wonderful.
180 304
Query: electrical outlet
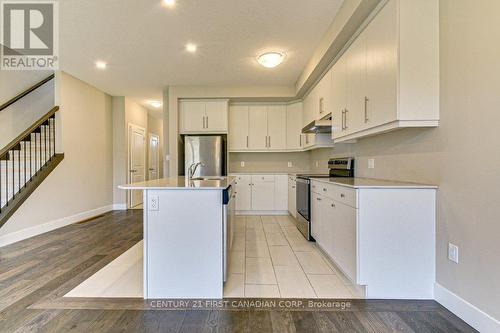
371 163
290 164
317 164
453 252
154 203
242 164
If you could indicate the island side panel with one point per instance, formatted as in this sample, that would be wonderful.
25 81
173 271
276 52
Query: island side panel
184 244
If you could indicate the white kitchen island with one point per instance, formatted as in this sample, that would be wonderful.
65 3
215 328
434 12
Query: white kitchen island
183 237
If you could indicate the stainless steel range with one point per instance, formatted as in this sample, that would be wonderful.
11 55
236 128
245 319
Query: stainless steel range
338 167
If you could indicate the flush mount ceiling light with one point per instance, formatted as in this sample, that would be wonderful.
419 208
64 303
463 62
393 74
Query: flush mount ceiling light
101 65
169 3
191 47
155 104
271 59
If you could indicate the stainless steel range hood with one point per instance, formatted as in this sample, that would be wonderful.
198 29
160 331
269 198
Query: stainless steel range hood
323 125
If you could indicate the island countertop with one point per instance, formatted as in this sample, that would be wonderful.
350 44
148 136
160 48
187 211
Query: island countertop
180 183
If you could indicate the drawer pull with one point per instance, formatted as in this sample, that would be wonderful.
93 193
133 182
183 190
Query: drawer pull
342 195
333 205
324 189
319 199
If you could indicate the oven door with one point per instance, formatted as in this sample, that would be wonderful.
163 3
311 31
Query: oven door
303 198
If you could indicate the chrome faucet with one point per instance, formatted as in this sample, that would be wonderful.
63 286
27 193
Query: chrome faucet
192 169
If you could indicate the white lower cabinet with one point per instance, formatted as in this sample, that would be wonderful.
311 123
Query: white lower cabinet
382 238
261 193
243 192
292 196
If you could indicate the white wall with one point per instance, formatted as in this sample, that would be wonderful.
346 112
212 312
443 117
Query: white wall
462 156
83 180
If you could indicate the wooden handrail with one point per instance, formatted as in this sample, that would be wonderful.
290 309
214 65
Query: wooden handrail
28 131
26 92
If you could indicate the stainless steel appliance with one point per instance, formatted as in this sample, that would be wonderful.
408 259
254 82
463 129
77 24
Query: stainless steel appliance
323 125
204 155
228 219
338 167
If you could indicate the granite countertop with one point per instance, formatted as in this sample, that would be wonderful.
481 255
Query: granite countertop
180 183
372 183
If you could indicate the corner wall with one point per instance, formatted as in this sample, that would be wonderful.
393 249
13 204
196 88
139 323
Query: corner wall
81 184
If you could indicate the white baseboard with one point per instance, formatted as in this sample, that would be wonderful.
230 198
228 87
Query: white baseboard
473 316
261 212
119 206
52 225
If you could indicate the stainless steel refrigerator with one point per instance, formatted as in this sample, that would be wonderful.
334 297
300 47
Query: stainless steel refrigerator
209 150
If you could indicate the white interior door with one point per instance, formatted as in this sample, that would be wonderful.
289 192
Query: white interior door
137 162
154 157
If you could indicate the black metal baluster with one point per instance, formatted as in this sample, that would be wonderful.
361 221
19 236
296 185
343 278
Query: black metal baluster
54 134
50 142
24 162
19 169
6 181
1 206
40 165
31 160
13 174
45 140
36 171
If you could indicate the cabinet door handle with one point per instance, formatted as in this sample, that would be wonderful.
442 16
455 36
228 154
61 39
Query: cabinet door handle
333 205
321 105
247 141
345 117
293 186
207 121
324 190
269 141
366 109
203 121
300 140
342 195
319 199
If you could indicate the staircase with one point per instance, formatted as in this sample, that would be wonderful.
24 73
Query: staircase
27 160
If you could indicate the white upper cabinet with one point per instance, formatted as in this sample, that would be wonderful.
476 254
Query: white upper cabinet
238 127
216 116
192 116
276 127
294 136
203 116
257 127
323 96
388 78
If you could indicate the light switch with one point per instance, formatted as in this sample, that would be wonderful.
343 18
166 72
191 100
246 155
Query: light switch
242 163
453 252
371 163
154 203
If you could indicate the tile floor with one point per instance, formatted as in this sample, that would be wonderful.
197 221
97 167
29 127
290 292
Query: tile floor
271 258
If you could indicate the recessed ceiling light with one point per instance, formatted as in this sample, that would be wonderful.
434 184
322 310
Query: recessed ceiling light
191 48
101 65
155 104
169 3
271 59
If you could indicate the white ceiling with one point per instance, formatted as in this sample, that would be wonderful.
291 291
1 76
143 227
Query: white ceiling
143 42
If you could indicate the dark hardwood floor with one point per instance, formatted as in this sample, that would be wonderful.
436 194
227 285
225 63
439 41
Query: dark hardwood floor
36 273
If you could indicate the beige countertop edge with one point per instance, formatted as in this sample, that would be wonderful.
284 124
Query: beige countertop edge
179 183
366 183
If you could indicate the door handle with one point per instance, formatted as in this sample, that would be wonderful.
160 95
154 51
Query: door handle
133 170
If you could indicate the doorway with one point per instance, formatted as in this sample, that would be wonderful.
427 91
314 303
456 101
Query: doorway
154 157
136 163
